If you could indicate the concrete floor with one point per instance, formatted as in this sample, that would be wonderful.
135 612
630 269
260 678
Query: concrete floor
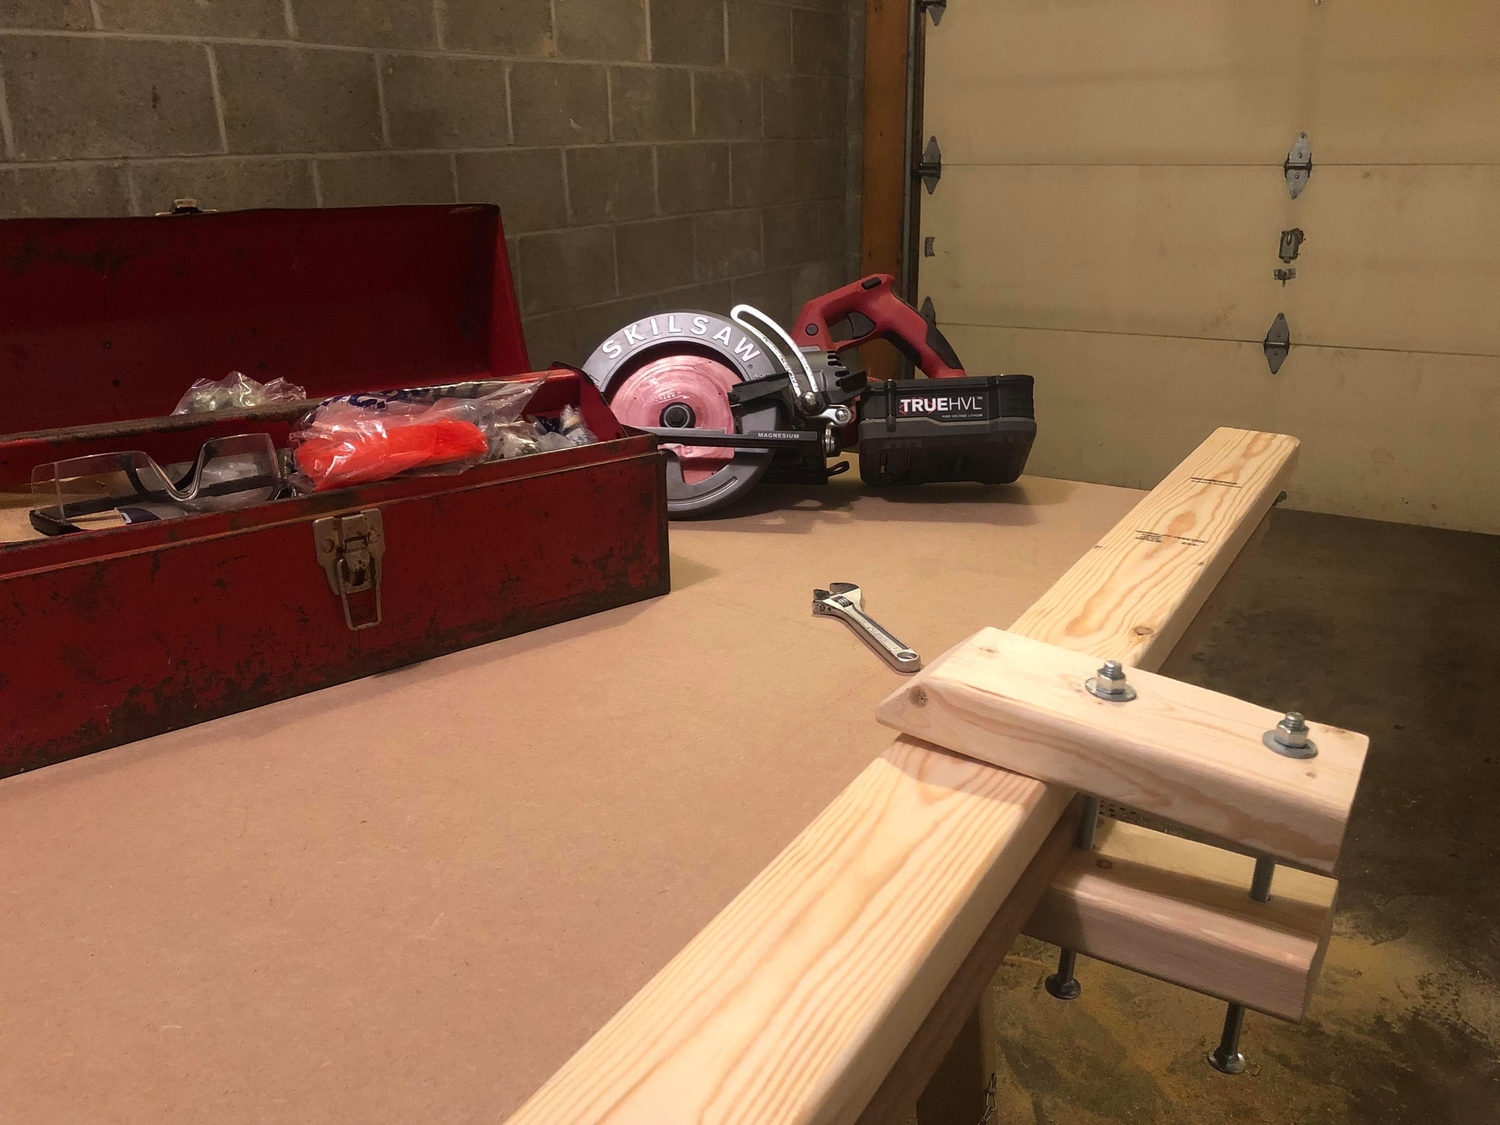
1393 631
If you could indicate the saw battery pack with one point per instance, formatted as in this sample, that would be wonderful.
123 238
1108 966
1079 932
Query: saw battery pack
913 431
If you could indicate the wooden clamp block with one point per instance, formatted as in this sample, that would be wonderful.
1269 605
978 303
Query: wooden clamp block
1180 752
1178 910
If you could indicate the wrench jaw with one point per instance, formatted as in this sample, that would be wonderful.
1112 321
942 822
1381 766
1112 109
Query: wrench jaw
850 591
834 601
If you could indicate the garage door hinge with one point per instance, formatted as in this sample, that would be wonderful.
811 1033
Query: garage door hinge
930 170
934 8
1278 343
1297 166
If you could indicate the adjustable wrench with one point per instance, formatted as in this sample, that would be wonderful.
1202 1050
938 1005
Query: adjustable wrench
845 601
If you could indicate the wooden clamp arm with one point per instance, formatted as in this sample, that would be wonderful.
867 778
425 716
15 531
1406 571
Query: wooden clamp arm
1178 910
1180 752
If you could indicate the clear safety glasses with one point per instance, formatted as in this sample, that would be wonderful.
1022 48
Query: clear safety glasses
106 489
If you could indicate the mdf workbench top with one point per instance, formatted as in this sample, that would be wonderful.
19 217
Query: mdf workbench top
414 896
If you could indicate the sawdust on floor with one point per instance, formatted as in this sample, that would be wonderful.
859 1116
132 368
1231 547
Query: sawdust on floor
1396 1033
1386 629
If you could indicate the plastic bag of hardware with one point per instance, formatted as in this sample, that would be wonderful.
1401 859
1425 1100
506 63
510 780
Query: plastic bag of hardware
524 437
572 426
236 391
362 438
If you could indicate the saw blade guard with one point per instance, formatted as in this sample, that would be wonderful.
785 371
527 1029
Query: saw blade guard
678 390
675 370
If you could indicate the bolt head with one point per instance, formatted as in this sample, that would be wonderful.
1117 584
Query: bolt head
1061 989
1227 1063
1290 737
1292 730
1109 683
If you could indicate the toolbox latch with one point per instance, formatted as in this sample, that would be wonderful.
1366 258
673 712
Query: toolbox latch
350 549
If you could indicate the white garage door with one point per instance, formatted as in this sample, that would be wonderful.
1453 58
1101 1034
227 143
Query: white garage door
1110 213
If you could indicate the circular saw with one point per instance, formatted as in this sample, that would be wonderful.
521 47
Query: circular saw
740 400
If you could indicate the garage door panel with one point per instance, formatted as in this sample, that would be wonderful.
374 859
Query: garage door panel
1159 250
1385 435
1214 81
1400 257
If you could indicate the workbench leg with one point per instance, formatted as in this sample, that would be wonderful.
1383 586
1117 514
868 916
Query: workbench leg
956 1093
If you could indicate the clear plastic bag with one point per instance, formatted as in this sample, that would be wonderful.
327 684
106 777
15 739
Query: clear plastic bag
236 391
572 426
361 438
524 437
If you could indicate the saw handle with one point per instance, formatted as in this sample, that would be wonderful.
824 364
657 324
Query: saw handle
874 310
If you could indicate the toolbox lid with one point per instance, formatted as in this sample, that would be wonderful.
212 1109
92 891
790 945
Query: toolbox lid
105 320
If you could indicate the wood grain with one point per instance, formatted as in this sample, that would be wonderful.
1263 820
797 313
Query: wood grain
1180 911
794 1003
921 1064
1177 751
836 948
1177 661
1134 594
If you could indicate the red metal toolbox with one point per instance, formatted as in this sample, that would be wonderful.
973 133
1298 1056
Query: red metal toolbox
120 633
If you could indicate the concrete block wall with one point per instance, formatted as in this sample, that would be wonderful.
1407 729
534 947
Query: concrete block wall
646 154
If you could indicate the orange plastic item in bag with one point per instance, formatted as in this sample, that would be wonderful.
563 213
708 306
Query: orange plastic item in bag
372 450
